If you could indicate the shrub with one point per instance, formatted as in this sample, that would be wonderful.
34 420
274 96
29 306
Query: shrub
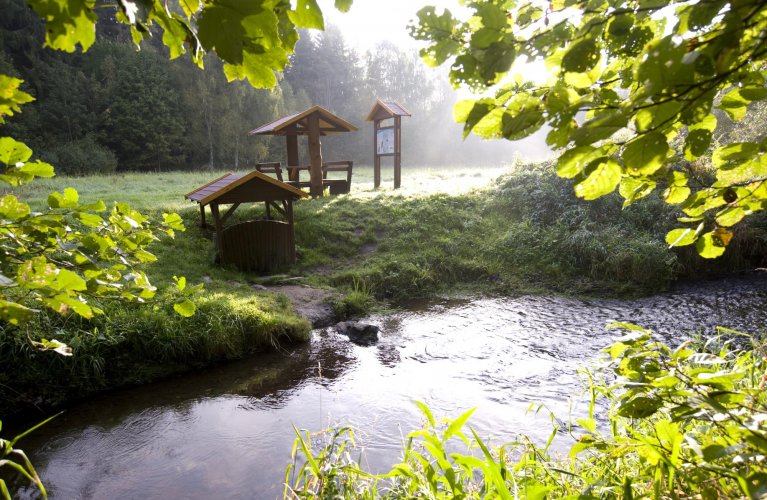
82 157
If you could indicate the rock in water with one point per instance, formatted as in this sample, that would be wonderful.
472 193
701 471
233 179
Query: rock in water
359 333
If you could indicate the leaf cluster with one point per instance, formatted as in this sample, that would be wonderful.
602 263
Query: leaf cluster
630 97
253 38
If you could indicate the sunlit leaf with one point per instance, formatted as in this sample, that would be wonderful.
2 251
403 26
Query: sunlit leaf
185 308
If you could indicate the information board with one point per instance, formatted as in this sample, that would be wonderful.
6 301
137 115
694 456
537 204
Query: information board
385 141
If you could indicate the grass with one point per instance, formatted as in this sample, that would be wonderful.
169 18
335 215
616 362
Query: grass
453 231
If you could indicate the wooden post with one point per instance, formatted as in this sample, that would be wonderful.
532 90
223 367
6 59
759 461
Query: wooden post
292 145
376 157
292 233
218 225
315 154
397 151
202 216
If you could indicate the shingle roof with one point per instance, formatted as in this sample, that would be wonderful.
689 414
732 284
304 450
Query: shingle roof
217 187
298 124
392 108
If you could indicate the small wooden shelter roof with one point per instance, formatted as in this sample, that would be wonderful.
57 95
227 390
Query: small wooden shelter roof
298 124
255 186
386 109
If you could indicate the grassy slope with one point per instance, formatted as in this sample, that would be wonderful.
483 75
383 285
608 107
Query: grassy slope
438 235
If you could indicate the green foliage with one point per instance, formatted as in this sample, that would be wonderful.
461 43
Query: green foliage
631 98
681 423
83 157
254 39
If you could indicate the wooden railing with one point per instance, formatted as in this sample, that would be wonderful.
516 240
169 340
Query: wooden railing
336 186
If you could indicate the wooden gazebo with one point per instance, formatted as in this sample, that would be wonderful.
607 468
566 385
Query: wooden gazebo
387 140
257 245
314 123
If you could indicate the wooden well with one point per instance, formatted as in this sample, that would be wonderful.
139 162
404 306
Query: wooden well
253 245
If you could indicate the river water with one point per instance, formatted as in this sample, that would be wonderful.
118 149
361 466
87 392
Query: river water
227 432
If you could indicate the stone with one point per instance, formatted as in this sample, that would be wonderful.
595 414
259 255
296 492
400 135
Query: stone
359 333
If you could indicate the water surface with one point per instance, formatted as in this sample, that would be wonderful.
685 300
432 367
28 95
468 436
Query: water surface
227 432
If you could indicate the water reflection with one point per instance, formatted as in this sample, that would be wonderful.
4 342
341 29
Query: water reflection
226 432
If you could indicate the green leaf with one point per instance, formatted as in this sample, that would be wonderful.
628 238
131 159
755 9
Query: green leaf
15 314
11 98
639 407
588 423
735 154
683 237
307 15
222 27
13 152
634 188
68 23
63 304
573 161
38 169
69 281
180 283
457 424
677 191
427 413
599 178
581 56
712 244
343 5
174 221
521 123
730 216
12 209
90 220
646 154
600 127
185 308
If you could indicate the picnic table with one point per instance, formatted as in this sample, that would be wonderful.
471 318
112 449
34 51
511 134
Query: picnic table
335 186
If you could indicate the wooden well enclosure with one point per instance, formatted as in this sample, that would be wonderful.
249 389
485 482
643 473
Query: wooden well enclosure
387 137
259 245
314 123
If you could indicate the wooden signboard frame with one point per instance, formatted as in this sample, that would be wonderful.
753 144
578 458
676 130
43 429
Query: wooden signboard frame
382 112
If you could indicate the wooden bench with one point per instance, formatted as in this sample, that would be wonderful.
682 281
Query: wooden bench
270 168
336 186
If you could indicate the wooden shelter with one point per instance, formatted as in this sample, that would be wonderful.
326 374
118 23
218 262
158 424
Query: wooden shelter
253 245
387 140
313 123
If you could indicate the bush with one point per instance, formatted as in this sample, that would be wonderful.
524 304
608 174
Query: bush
82 157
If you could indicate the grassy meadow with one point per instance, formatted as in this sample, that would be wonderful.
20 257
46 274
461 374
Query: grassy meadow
450 231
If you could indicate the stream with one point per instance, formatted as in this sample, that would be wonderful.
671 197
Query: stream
226 432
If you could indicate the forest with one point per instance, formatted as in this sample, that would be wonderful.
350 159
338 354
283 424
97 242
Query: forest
116 109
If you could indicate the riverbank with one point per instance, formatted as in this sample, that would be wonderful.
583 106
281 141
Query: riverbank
524 233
